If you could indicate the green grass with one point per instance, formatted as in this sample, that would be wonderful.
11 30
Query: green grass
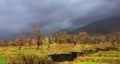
57 49
2 60
106 55
102 56
89 63
96 57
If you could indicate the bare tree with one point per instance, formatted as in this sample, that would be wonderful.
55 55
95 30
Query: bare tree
74 39
101 38
37 33
115 38
58 37
66 37
29 41
50 41
21 39
84 37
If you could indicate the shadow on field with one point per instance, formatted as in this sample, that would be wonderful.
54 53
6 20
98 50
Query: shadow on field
65 57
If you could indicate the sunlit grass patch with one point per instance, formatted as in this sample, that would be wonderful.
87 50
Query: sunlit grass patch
111 54
97 57
89 63
28 58
113 51
2 59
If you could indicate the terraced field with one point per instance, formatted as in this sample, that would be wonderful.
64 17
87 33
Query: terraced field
101 57
109 57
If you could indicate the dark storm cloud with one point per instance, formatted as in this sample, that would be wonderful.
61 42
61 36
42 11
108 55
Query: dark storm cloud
52 15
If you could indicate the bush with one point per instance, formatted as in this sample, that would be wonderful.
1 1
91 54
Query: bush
28 58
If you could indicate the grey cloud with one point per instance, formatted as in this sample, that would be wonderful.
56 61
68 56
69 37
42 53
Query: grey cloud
52 15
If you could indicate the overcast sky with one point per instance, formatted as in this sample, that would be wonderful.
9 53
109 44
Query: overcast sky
52 15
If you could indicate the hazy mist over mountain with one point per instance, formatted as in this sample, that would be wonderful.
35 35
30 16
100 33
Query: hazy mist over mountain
52 15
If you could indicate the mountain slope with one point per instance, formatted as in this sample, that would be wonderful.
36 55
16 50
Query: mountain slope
101 27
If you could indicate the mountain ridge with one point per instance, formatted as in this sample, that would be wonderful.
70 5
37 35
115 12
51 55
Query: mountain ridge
101 27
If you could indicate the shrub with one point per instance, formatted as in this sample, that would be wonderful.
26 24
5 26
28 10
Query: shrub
28 58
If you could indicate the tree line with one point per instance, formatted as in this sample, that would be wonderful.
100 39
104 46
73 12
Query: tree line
59 37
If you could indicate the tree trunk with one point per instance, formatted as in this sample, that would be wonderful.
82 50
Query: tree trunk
20 47
38 44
